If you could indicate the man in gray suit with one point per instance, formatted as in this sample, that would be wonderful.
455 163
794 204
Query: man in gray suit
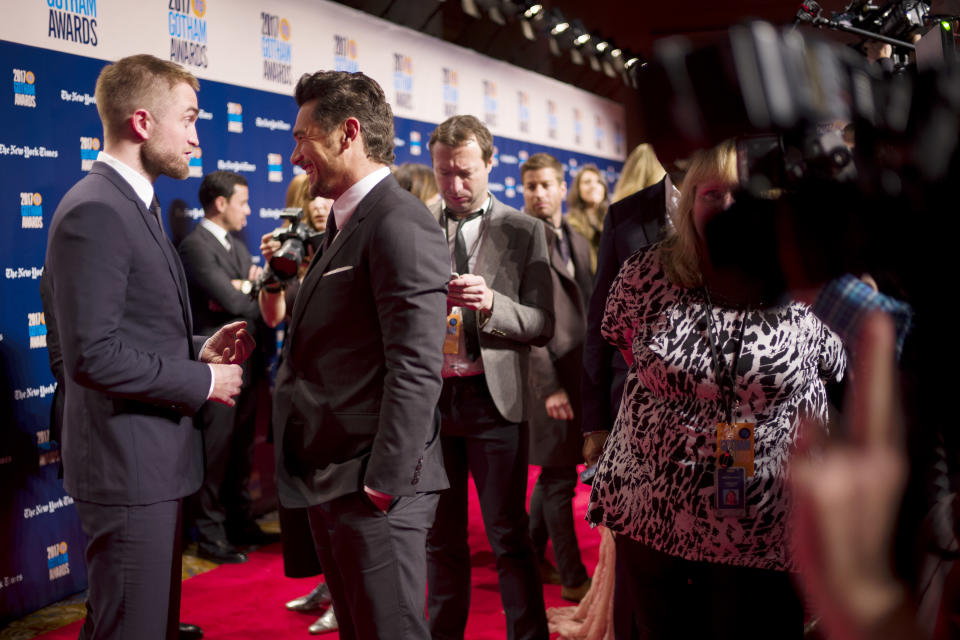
355 403
555 440
500 303
132 376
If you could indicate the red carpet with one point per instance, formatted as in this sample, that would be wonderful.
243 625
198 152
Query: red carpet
245 602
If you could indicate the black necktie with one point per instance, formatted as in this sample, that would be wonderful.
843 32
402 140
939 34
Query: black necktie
330 232
155 210
462 261
562 247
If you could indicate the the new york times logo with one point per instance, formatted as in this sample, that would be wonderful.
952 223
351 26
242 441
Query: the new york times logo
58 561
188 32
276 49
73 20
75 96
34 392
89 150
270 123
37 328
523 111
345 54
31 210
23 273
451 92
403 80
24 88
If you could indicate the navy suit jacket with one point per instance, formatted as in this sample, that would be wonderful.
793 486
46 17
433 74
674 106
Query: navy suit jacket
356 395
631 224
129 352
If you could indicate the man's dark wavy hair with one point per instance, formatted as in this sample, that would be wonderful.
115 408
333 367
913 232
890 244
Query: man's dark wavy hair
341 95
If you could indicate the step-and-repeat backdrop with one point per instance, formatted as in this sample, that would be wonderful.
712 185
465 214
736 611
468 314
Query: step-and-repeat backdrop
248 56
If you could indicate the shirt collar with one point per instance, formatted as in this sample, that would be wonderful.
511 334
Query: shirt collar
218 232
140 185
487 204
346 204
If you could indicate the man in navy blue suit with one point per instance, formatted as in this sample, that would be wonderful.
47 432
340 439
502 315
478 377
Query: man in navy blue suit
134 371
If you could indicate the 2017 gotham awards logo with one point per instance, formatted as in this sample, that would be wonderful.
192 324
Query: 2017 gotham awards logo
24 88
73 20
276 49
451 92
599 133
403 80
89 150
37 328
490 102
188 32
553 124
345 54
234 117
196 163
577 127
58 560
523 111
31 210
274 167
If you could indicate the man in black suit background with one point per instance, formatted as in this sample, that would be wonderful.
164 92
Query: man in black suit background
130 451
355 417
555 370
220 275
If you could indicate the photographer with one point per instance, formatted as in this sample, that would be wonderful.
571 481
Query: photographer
276 300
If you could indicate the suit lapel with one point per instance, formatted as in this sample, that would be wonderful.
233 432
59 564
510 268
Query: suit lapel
173 261
319 266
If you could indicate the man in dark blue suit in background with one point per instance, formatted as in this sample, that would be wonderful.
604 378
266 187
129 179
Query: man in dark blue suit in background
134 372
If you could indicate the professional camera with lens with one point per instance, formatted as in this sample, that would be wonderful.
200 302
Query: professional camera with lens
295 238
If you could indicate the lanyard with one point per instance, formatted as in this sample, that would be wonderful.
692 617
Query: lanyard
728 385
483 227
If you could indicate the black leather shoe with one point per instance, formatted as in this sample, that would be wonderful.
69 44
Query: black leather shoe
319 597
325 623
190 631
220 551
250 534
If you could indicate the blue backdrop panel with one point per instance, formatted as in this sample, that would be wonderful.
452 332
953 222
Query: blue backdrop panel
49 135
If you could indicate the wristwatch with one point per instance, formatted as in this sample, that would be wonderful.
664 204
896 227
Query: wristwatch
246 287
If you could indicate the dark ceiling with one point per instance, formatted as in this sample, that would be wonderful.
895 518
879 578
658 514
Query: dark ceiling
631 24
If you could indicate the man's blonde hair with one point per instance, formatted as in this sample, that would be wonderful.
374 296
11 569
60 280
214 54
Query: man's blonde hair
135 82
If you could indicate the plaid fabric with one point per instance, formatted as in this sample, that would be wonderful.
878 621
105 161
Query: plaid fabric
843 303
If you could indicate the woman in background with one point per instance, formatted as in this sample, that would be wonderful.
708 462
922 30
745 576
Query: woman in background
586 208
419 180
641 170
299 554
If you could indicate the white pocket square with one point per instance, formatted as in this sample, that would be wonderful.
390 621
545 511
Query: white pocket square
340 270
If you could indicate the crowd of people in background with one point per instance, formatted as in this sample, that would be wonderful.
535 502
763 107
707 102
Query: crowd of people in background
435 334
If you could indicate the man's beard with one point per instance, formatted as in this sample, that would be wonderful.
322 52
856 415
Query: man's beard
157 161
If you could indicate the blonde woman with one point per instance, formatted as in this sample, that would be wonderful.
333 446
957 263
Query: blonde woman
699 361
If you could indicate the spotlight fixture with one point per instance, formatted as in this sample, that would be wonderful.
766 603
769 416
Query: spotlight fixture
559 28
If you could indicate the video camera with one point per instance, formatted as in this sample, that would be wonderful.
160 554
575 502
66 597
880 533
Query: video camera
783 93
295 238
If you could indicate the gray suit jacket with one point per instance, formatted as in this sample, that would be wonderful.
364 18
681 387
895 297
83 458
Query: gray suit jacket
513 261
559 364
128 349
356 395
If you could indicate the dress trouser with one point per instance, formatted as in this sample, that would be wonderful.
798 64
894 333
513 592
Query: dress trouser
551 516
677 598
375 564
133 570
478 440
223 500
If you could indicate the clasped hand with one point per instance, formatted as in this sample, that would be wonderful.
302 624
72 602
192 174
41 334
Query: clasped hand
225 351
471 292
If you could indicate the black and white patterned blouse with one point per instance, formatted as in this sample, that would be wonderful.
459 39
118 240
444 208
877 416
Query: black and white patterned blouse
655 479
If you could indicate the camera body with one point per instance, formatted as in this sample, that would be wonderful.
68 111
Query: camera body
295 238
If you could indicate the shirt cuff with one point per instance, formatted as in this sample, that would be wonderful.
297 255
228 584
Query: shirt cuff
212 381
